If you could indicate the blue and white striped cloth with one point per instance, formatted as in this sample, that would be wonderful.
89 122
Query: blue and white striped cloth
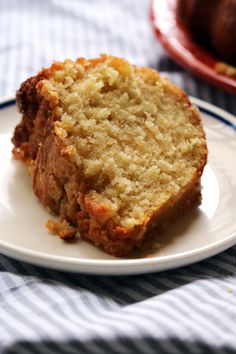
188 310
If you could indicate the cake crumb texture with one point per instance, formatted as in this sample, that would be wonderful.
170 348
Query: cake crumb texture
111 147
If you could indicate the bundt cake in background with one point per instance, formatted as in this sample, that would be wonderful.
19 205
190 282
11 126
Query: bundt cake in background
213 23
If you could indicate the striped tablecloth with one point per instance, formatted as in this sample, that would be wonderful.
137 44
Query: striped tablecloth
187 310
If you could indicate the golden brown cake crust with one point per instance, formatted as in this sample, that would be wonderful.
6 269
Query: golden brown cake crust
59 183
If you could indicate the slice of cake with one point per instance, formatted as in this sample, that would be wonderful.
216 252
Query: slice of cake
112 148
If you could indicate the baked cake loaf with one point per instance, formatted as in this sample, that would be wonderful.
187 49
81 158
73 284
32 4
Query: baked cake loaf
112 148
212 22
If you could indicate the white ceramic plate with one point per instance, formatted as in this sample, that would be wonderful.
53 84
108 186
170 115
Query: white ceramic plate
204 232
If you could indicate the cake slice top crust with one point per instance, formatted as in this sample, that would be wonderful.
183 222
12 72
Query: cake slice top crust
134 137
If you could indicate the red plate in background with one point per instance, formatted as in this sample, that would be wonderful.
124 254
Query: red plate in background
178 43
